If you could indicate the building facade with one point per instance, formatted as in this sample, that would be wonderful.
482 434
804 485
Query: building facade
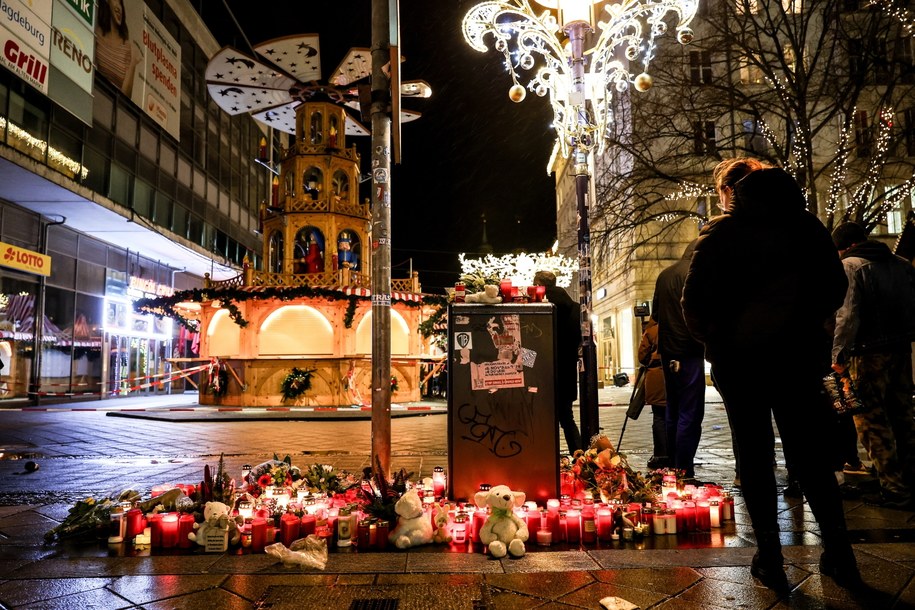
825 89
125 185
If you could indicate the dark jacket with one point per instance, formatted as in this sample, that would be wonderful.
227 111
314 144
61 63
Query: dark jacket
568 340
765 278
674 338
878 314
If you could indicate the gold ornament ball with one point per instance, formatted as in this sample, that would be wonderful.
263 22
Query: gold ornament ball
643 81
685 36
517 93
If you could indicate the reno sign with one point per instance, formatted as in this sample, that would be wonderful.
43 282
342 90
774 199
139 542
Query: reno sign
24 260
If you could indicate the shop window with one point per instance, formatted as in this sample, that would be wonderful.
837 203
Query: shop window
57 345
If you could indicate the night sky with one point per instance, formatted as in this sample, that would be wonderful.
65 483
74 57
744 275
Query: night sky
472 152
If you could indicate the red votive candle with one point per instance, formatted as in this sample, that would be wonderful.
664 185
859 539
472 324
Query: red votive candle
588 526
169 530
135 522
541 292
308 525
479 518
258 535
154 523
573 525
533 521
382 530
185 527
505 289
604 523
552 524
703 518
289 528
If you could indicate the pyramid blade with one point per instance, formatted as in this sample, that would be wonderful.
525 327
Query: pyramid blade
356 65
279 117
298 55
232 67
238 99
355 128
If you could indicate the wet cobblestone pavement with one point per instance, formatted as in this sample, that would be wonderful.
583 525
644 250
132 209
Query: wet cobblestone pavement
81 453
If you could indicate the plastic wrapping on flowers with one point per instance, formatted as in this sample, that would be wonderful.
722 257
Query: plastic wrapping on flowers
607 474
87 515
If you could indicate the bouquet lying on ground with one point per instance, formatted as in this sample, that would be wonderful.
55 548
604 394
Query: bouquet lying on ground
607 474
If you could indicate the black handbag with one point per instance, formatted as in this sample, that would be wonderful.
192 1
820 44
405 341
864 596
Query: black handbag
637 400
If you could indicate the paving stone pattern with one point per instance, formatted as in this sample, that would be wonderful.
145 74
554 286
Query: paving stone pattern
82 453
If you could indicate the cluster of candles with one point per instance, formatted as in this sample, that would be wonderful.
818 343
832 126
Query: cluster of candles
509 293
285 515
165 530
586 521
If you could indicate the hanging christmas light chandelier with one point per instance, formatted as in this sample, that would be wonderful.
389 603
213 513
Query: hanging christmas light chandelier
626 34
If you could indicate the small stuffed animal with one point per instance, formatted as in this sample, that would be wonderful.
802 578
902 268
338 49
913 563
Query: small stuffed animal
440 520
503 531
215 515
413 526
490 294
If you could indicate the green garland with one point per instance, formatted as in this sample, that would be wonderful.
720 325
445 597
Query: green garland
166 306
296 383
350 313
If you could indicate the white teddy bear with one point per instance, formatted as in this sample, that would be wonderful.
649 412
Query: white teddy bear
490 294
414 527
503 530
215 515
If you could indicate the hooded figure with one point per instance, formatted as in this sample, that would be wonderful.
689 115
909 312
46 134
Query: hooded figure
762 284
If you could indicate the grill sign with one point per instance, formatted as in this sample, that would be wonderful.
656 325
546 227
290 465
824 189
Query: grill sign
24 260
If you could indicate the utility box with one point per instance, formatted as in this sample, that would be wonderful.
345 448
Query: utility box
502 427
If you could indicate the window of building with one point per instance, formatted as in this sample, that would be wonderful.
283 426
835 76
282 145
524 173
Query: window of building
753 138
704 137
750 70
700 67
905 59
894 223
908 131
863 134
856 65
747 7
793 6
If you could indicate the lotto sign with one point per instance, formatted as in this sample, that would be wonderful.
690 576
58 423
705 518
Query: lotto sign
24 260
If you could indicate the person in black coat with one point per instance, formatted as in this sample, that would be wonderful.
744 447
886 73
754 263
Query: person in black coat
683 365
568 340
763 282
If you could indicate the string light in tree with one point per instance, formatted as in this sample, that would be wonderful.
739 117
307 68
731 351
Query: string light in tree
904 16
837 183
690 191
865 191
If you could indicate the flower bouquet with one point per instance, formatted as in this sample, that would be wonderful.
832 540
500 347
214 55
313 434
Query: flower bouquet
606 472
323 478
378 496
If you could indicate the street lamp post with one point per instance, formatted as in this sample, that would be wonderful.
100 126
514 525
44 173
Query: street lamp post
579 84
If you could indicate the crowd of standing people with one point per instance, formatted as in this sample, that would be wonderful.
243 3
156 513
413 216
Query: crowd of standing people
766 285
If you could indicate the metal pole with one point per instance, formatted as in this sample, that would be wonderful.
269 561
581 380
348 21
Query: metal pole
381 240
587 379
